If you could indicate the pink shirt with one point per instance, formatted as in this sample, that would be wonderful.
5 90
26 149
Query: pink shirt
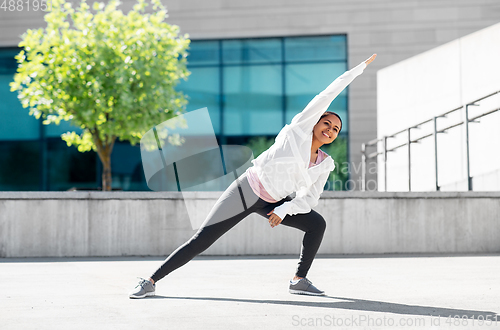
259 190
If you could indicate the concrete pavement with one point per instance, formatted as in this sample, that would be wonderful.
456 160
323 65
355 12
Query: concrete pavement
377 291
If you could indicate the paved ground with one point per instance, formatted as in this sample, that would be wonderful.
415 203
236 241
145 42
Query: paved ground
252 293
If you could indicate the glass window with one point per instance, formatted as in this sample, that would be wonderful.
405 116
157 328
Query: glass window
251 51
320 48
16 123
265 82
202 89
19 165
68 168
203 53
54 130
253 100
305 81
125 165
251 87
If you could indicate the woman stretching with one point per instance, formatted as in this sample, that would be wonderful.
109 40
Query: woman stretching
294 163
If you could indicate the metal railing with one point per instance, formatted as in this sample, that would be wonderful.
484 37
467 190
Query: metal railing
385 150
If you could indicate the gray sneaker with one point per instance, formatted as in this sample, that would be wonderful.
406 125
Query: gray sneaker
304 286
144 289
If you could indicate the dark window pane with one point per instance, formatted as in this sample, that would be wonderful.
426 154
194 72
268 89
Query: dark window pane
251 51
8 64
138 180
126 167
305 81
68 168
253 100
321 48
19 165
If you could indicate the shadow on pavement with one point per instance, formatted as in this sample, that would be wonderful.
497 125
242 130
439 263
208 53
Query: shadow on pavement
361 305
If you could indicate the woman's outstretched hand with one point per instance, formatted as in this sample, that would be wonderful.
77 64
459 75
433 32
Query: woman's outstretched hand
274 220
368 61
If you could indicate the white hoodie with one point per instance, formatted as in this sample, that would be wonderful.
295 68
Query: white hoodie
284 167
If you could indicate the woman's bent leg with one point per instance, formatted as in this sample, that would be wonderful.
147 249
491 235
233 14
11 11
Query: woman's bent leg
314 226
311 223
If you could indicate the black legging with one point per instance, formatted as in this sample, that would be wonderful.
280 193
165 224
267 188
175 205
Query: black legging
237 202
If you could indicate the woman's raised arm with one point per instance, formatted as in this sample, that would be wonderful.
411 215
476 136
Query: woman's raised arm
307 118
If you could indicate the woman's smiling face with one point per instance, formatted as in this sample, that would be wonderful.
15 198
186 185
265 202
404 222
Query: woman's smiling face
327 129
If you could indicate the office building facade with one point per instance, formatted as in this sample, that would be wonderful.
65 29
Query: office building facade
254 64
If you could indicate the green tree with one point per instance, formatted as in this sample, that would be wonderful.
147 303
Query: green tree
338 151
109 73
259 144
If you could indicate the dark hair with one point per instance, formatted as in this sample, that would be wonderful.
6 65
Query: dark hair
332 113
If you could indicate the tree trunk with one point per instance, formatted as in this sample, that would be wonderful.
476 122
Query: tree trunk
104 151
106 173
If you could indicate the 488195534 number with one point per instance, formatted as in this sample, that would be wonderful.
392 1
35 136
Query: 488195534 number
26 5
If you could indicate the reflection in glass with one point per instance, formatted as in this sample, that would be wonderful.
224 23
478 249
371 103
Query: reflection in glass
242 51
254 99
319 48
305 81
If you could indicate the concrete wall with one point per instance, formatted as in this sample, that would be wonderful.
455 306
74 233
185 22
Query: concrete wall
394 29
430 84
34 224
